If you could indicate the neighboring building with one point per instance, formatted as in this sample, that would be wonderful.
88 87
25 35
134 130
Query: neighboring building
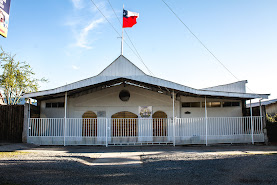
2 98
22 101
2 101
270 106
123 105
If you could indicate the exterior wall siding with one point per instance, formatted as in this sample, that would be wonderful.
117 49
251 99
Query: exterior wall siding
108 101
51 112
211 111
271 109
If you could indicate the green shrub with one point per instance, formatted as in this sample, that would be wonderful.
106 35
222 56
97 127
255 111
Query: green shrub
271 118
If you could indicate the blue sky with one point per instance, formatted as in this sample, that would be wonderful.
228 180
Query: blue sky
66 41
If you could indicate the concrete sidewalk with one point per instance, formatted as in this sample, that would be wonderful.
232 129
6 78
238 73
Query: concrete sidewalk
131 155
9 147
118 159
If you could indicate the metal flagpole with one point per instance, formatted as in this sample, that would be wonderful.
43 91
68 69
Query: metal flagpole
122 33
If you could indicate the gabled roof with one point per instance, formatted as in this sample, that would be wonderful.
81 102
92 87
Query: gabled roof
232 87
123 68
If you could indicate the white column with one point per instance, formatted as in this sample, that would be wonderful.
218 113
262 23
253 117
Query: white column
65 109
251 116
206 120
173 116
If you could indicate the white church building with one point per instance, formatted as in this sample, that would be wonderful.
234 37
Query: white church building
124 106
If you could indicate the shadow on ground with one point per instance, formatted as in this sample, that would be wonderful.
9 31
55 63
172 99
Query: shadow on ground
161 168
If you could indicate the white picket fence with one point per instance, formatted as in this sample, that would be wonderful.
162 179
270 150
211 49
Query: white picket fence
134 131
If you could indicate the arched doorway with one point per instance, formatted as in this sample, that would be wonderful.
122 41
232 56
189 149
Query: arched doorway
89 128
124 124
159 123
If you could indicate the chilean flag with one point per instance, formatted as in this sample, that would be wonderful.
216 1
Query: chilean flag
129 18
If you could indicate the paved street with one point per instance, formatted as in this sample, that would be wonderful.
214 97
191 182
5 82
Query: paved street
221 164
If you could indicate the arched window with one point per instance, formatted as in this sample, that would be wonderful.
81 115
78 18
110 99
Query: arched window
159 123
89 124
126 127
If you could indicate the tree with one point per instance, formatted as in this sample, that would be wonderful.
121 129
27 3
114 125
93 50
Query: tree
17 78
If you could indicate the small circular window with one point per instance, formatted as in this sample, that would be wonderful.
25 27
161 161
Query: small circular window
124 95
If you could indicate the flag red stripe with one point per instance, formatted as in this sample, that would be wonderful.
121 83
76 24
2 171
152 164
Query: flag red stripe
129 22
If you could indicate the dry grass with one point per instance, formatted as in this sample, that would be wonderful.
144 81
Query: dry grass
11 154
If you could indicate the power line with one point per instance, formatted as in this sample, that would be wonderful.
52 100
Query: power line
138 55
199 40
121 24
204 45
113 27
105 17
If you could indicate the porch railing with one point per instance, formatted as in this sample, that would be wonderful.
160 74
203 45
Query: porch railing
105 131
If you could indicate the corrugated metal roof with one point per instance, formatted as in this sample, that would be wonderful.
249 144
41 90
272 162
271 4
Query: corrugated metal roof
123 68
267 102
232 87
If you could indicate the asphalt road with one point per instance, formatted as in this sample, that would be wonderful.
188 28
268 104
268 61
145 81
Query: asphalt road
140 165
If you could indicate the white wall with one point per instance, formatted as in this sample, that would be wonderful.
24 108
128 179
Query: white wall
51 112
271 109
108 100
211 111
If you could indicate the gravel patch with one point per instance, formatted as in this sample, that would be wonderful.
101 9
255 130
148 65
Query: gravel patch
195 168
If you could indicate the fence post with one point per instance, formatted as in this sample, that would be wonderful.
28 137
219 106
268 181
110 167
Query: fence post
206 120
173 116
28 130
65 109
106 132
64 132
25 124
174 142
261 116
29 116
251 114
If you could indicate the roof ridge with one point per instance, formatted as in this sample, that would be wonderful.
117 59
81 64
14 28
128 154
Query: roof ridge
117 60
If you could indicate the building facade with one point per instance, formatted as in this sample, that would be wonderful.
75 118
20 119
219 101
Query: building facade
123 105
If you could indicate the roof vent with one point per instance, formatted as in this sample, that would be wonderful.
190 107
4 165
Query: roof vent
124 95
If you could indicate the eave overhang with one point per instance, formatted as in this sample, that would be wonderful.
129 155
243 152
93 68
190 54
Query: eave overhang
144 82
